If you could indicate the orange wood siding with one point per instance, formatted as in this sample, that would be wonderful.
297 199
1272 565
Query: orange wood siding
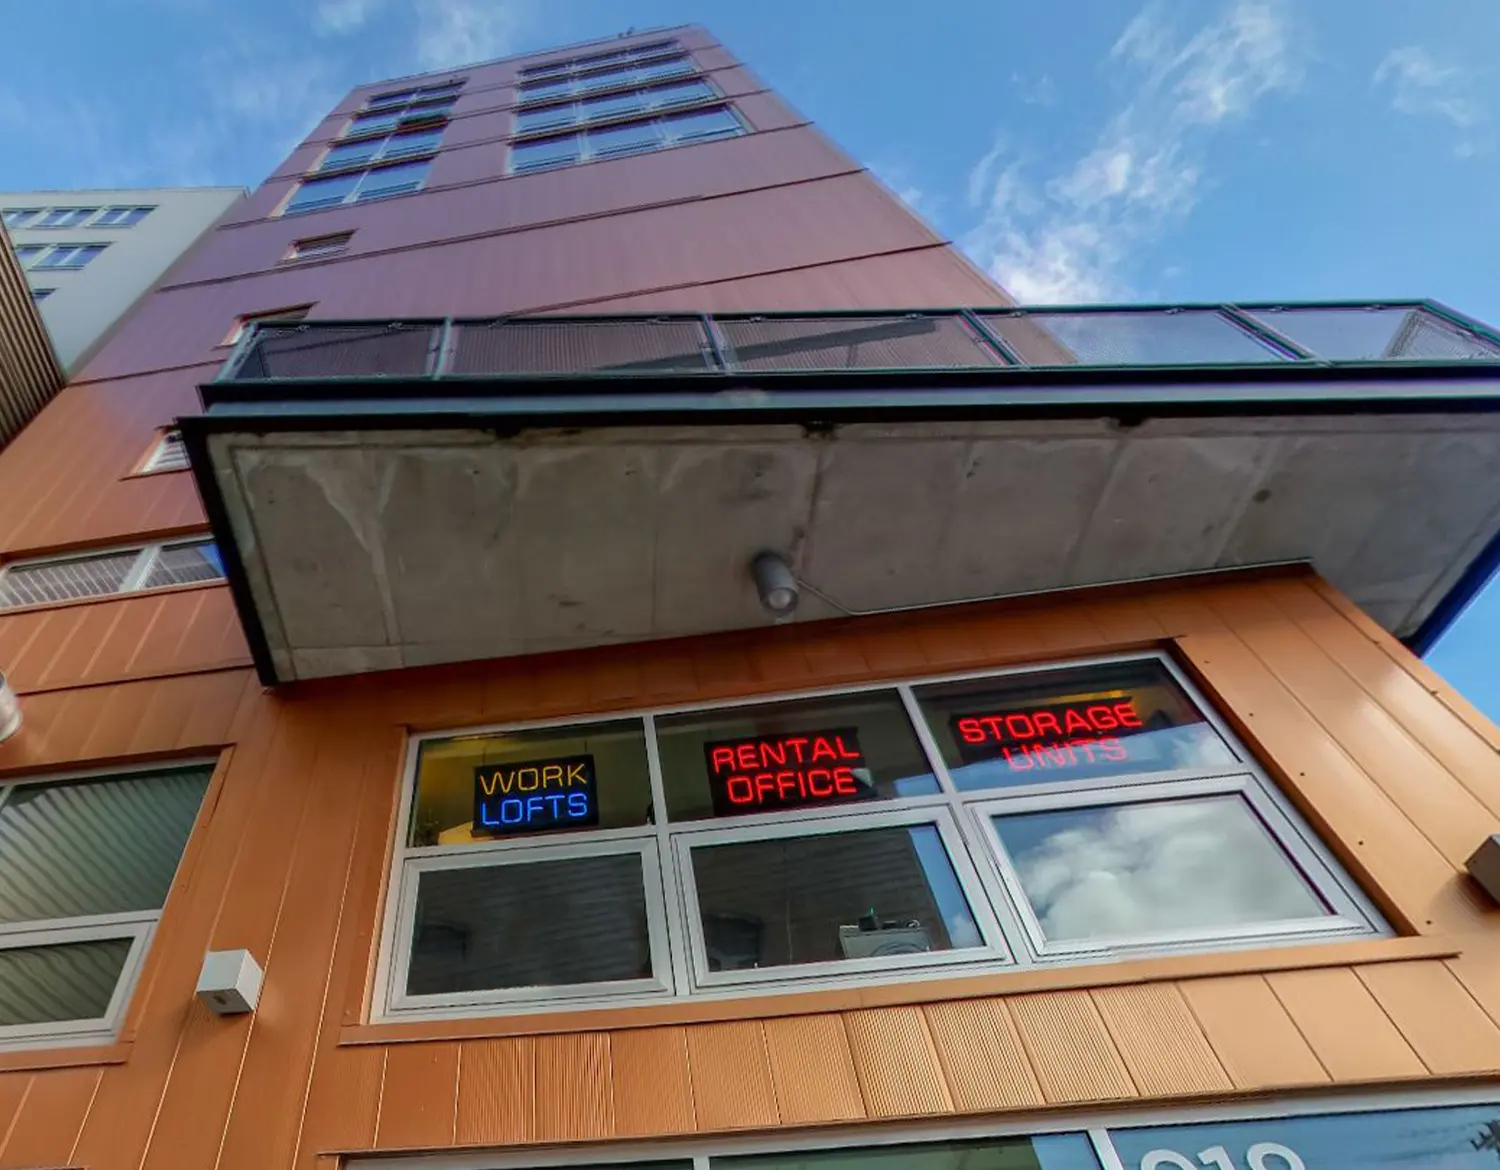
291 853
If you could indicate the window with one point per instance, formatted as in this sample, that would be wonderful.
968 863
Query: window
66 217
27 253
127 570
16 217
320 247
367 150
388 110
358 186
624 138
121 216
616 105
85 866
169 454
264 317
38 295
606 75
69 256
1025 818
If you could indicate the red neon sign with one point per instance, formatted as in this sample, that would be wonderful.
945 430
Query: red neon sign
768 772
1056 735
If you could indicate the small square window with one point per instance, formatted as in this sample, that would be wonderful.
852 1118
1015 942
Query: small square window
320 247
316 194
38 295
372 123
184 564
121 216
69 256
615 105
351 154
544 153
545 118
629 138
702 124
396 180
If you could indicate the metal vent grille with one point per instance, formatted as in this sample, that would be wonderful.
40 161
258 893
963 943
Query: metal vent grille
561 347
1186 337
184 564
65 580
853 343
340 351
1376 334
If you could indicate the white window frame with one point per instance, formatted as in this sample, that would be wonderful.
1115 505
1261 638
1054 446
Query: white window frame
146 557
361 175
139 926
103 220
523 853
22 216
659 120
992 890
578 107
72 250
74 217
169 453
626 65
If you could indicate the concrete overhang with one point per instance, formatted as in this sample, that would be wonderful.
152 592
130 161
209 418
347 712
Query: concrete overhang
364 548
374 524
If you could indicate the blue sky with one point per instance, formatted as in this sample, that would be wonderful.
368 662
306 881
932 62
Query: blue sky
1087 150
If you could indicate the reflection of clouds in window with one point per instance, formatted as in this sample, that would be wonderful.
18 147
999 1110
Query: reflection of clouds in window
1149 868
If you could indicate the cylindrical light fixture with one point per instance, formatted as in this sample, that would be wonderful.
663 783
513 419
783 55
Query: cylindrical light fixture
775 582
10 711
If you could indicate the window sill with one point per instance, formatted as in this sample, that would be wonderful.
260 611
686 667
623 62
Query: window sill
25 1060
42 606
1032 979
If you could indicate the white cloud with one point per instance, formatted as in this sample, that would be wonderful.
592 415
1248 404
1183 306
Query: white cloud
1035 91
897 177
1420 86
460 32
341 17
1155 868
1073 234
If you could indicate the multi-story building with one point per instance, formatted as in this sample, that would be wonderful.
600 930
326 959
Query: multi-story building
30 375
655 660
91 255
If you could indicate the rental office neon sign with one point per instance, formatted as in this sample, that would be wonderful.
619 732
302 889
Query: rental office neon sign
763 773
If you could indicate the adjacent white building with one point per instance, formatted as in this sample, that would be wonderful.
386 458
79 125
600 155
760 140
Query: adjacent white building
90 255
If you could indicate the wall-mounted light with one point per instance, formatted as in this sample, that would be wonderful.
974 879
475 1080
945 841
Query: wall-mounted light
776 583
10 711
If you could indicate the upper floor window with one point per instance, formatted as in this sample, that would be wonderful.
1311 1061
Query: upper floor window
358 186
1029 818
264 317
28 253
69 256
85 866
404 107
38 295
17 217
126 570
614 105
319 247
618 138
121 216
369 150
168 454
605 76
66 217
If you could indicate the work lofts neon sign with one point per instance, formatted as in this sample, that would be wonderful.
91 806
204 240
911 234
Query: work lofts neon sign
535 795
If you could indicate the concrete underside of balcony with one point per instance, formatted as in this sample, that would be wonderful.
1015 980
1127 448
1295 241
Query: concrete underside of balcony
378 548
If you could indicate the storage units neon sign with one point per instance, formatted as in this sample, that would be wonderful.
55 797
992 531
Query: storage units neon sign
1053 735
767 772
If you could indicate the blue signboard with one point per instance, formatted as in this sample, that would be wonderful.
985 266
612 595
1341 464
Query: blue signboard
535 795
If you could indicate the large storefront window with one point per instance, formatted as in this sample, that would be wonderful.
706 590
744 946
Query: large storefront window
1029 817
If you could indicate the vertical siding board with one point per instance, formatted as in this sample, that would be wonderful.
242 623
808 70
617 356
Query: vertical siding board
298 962
14 1087
731 1075
1452 740
1160 1041
47 1126
1353 1038
898 1067
573 1100
89 627
1368 831
653 1093
1252 1034
418 1096
812 1065
343 1101
982 1056
1445 812
195 1105
1438 1018
1070 1049
497 1092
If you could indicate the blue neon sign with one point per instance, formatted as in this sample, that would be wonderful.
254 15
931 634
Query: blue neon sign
535 795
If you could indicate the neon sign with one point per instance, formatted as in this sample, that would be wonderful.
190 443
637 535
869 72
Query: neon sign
769 772
1054 735
535 795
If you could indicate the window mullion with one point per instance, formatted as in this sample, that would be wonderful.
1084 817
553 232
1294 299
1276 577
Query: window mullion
929 745
676 907
140 570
